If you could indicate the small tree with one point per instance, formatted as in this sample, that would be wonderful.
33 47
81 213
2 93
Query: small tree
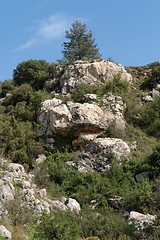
33 72
81 45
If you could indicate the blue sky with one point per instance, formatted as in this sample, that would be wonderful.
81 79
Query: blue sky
128 31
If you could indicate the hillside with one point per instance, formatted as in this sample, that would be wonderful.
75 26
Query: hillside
79 151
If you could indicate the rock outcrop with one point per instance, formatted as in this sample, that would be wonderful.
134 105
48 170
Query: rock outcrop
141 221
87 120
15 180
95 72
98 155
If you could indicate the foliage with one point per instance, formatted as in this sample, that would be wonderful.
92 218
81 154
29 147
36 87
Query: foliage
19 212
57 226
116 86
78 93
154 161
154 77
20 134
33 72
6 87
66 225
150 118
19 141
106 224
81 45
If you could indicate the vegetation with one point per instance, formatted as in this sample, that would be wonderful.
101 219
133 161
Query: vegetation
153 78
33 72
21 141
81 44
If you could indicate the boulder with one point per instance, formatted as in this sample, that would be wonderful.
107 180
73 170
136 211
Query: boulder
5 232
141 221
40 159
98 155
86 121
6 191
55 116
72 204
147 98
95 72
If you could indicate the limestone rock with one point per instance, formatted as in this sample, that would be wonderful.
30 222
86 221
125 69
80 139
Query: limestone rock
98 154
41 206
41 158
5 232
87 120
141 221
55 116
15 178
95 72
72 204
147 98
42 193
6 191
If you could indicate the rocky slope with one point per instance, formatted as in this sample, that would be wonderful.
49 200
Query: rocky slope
89 126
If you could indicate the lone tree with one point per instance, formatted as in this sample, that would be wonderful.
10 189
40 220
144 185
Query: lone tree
81 45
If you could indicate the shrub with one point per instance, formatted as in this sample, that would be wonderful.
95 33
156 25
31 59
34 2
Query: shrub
33 72
78 93
105 225
150 119
116 86
154 77
57 226
19 141
6 87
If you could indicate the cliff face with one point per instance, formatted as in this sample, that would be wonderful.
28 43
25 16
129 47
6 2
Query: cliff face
94 73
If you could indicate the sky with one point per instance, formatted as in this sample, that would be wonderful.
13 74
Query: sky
127 31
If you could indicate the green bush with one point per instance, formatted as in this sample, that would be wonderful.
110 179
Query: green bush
154 77
58 226
105 225
150 118
80 91
116 86
19 141
33 72
6 87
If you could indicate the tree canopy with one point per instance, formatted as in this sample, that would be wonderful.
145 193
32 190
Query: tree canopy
33 72
81 44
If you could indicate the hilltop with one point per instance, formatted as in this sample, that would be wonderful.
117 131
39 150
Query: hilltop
80 151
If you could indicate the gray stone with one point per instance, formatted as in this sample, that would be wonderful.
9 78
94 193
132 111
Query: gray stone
41 159
5 232
96 72
147 98
98 155
141 221
72 204
87 120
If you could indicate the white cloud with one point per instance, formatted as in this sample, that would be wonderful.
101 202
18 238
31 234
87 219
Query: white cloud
48 29
27 45
53 27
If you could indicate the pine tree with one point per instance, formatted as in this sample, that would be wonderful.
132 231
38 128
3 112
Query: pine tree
81 45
